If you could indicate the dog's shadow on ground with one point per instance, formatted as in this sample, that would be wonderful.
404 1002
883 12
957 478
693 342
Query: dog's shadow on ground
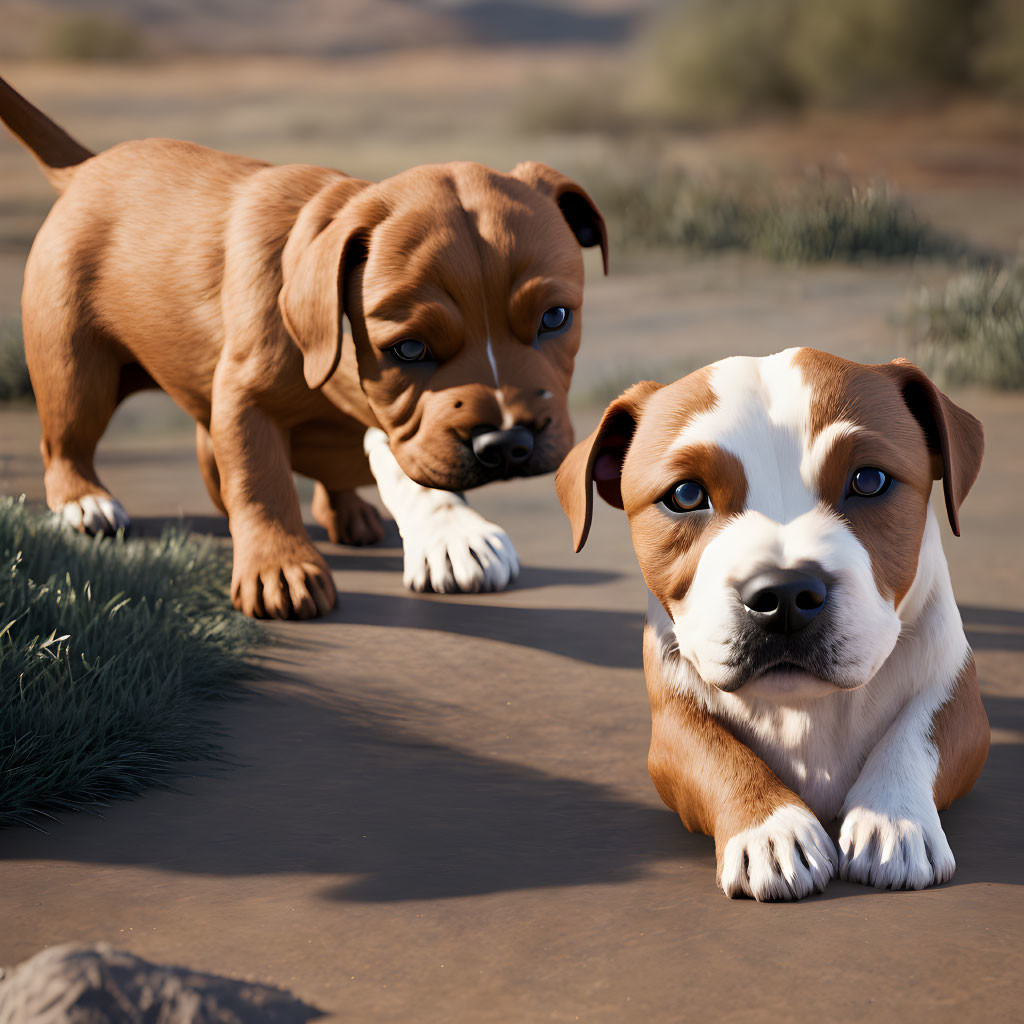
385 556
993 629
339 788
343 789
602 637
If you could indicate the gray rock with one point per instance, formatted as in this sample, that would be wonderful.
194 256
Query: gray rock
79 984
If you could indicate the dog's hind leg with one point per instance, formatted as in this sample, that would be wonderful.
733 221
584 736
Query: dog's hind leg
346 517
208 466
76 379
333 456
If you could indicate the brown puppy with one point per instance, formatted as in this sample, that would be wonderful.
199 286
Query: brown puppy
804 654
224 281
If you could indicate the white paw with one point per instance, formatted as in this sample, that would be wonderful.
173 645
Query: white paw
456 549
786 857
94 513
888 851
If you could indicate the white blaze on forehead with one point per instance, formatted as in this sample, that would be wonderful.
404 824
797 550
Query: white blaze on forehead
491 359
762 416
507 420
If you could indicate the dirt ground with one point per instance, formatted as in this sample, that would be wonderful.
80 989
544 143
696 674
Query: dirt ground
438 809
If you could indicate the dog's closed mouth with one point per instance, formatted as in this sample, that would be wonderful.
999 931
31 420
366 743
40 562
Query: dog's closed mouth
783 667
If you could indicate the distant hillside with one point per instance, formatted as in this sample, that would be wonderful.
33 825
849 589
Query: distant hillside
314 27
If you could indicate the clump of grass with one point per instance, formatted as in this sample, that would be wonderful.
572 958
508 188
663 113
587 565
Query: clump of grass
972 331
108 651
662 206
829 220
14 379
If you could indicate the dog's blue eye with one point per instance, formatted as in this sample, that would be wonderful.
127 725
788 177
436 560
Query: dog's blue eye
869 482
687 496
410 351
556 318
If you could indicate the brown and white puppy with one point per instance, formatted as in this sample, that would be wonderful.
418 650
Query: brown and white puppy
804 655
225 281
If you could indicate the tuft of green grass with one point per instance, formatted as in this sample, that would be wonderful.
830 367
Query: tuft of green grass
972 331
14 379
661 206
108 651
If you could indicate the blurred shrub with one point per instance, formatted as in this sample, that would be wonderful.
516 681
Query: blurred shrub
709 61
93 36
714 60
999 58
14 379
972 331
662 206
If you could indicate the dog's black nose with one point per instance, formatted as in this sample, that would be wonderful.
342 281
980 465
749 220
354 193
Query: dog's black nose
498 449
783 600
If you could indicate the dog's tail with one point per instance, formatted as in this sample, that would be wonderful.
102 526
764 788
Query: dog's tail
55 150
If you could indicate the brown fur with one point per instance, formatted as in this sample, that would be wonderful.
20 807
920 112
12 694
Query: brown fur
710 778
911 429
224 282
960 732
716 784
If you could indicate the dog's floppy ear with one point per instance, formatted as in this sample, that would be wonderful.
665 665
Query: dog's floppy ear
314 263
955 438
578 209
598 459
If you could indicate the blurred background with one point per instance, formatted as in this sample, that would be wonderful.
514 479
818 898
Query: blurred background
845 174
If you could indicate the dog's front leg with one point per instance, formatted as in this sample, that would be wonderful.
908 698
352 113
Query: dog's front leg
768 843
447 545
890 836
277 572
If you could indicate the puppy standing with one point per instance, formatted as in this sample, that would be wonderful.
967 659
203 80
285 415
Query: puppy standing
225 281
804 654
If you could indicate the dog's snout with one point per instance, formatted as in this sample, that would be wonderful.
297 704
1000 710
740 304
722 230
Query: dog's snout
783 600
498 449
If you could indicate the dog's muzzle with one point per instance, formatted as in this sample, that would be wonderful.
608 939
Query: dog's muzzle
784 625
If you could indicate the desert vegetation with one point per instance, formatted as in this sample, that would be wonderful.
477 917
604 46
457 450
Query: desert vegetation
110 651
972 330
709 62
662 205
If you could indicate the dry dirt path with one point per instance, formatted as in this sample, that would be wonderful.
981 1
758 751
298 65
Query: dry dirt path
439 807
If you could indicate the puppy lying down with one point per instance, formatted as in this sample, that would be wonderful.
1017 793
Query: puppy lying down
804 654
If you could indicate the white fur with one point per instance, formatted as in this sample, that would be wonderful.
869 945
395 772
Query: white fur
762 417
818 738
447 545
94 513
863 753
788 856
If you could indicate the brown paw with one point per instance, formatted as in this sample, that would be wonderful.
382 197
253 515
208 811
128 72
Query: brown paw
346 517
292 585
